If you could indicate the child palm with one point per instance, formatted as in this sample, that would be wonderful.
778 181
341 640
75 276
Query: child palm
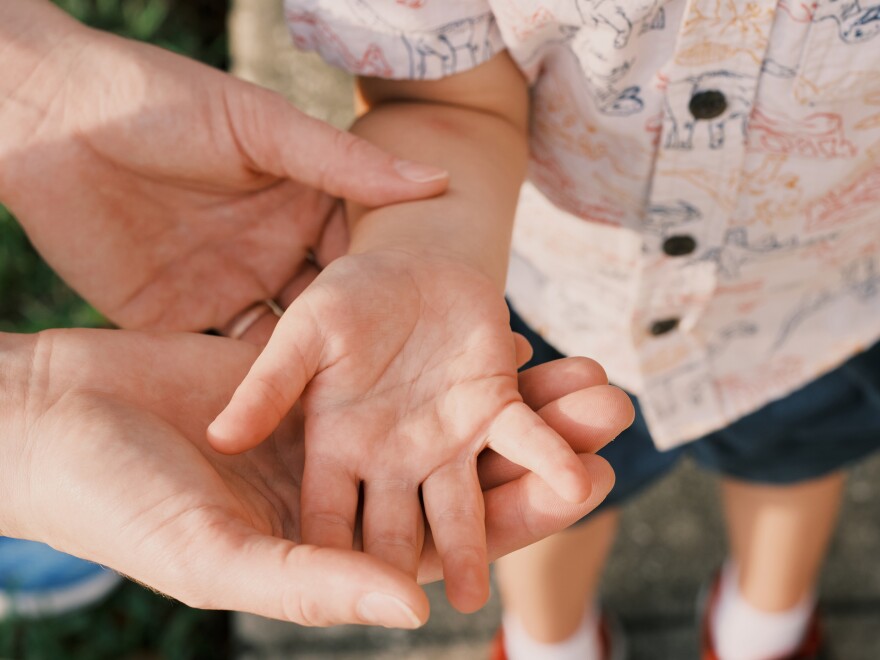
407 368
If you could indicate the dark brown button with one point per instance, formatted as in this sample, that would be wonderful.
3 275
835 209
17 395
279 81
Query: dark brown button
679 245
708 104
663 326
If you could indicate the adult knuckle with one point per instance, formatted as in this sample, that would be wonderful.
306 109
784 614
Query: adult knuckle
326 518
468 554
393 486
398 540
299 604
461 512
346 147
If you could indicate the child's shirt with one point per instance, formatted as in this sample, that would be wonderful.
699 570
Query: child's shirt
703 212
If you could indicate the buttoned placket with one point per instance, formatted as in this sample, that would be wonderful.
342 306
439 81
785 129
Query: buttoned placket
699 161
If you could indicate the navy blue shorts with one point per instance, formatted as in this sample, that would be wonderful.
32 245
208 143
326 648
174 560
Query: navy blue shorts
819 429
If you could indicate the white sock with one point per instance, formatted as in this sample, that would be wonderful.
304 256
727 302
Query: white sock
743 632
584 644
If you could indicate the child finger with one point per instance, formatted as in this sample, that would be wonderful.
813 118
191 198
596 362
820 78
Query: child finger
274 383
521 436
525 510
393 526
588 420
329 504
454 507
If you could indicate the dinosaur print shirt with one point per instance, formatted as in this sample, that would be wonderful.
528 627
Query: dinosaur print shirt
703 208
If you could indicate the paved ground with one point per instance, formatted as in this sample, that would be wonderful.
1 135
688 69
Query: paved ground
671 537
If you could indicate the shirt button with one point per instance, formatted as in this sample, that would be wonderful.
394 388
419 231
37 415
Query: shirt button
663 326
679 245
708 104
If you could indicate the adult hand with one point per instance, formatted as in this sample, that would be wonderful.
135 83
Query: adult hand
169 194
103 456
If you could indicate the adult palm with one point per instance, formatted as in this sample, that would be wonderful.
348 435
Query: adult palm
169 194
107 459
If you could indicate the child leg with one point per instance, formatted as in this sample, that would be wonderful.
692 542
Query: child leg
779 536
549 587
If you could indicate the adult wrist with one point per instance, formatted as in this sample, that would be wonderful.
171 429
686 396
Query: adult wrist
39 44
16 402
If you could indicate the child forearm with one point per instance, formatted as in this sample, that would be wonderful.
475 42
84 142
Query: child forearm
480 137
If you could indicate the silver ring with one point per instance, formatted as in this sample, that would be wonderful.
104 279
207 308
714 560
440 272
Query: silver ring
249 317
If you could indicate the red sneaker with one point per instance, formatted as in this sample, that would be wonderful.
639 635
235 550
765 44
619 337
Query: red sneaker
611 638
811 647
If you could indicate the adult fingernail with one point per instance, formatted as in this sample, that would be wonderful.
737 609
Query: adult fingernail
419 172
383 610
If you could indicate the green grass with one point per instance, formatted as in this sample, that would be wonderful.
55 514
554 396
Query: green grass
191 27
32 298
134 623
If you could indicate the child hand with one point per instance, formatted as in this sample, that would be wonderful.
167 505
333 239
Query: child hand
407 369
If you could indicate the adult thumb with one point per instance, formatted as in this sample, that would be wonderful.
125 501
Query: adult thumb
311 586
279 139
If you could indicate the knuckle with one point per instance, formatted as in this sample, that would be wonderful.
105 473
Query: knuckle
394 486
461 513
467 554
346 147
324 519
273 396
396 540
346 144
297 604
293 607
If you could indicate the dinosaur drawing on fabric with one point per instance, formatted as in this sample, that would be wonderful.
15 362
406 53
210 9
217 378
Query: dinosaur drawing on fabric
855 23
819 135
737 92
308 30
603 74
740 248
620 17
860 279
665 219
440 50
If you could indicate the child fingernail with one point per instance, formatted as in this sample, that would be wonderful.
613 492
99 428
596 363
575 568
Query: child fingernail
383 610
419 172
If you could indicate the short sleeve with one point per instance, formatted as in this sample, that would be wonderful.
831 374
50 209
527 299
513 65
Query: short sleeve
400 39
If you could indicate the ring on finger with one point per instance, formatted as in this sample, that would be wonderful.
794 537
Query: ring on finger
249 317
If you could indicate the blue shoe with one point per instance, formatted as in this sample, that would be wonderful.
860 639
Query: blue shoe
36 580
